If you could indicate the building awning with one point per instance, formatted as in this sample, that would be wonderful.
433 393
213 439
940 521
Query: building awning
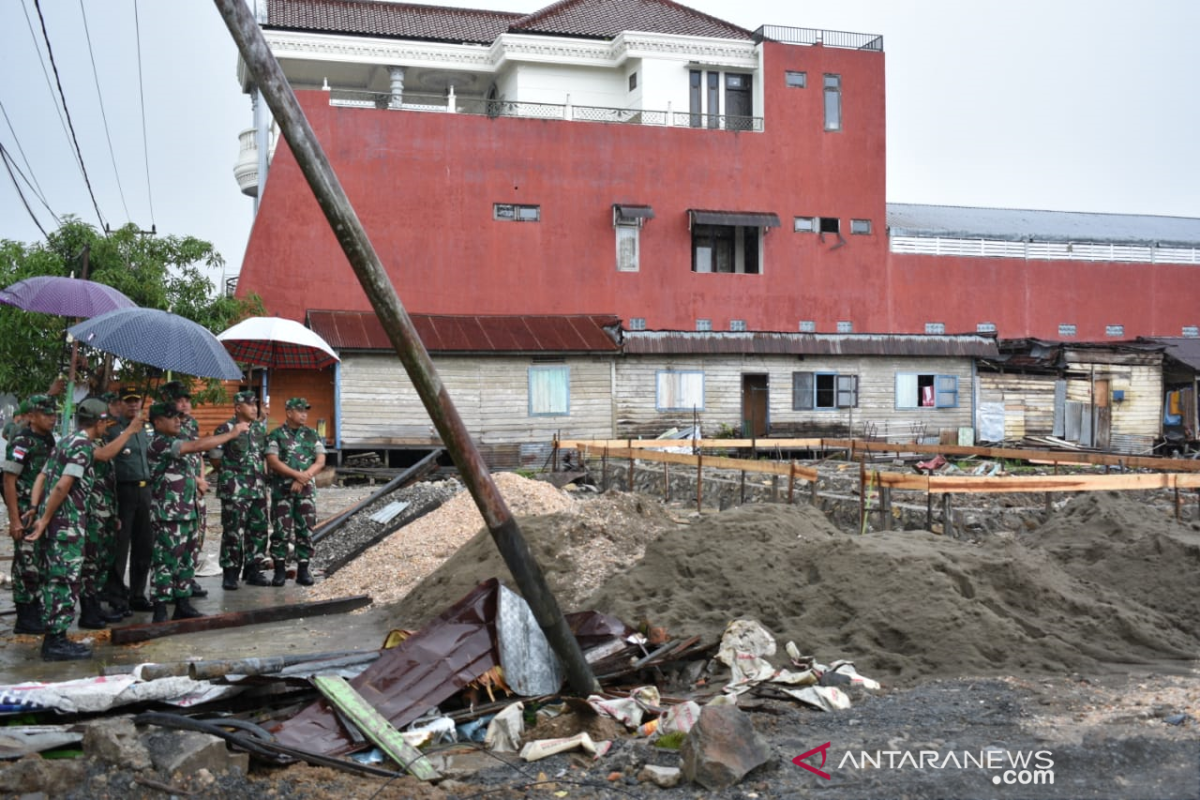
750 219
633 212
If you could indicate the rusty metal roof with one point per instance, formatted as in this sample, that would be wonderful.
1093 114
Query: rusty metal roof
446 333
399 20
607 18
842 344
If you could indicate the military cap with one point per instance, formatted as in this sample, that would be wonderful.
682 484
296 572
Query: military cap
93 409
297 402
245 397
130 393
162 410
111 397
41 402
23 408
173 390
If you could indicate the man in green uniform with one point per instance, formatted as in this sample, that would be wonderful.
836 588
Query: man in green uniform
175 515
102 520
134 539
295 454
28 449
177 394
68 473
17 422
241 471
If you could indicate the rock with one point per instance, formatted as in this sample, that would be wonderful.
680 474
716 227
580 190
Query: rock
33 774
722 747
188 752
114 740
665 777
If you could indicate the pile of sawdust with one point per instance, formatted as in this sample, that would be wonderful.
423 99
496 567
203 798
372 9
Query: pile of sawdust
1100 584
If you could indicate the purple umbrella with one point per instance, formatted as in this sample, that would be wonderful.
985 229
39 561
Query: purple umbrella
66 297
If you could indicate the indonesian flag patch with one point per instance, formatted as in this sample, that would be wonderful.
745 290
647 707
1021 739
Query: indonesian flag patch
19 453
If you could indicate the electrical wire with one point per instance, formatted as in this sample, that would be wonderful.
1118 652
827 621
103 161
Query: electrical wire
58 80
9 159
24 157
42 63
104 116
142 98
8 166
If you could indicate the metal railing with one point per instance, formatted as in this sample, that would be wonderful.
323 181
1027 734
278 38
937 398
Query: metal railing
478 106
840 39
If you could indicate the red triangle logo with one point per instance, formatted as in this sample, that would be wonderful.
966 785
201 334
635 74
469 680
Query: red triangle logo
799 761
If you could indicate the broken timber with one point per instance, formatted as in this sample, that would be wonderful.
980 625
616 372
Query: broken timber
384 532
236 619
413 473
342 695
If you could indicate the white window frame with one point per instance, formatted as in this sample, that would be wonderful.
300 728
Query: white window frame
808 326
682 389
795 79
845 326
1067 329
935 328
1114 331
549 389
637 323
628 247
832 93
985 327
703 325
860 227
516 212
908 390
737 325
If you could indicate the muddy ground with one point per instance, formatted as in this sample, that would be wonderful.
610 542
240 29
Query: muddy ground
1071 643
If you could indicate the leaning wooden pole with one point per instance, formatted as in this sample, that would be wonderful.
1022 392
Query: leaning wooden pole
269 78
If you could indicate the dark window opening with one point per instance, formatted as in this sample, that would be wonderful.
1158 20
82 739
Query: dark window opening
694 97
714 99
725 248
516 213
829 225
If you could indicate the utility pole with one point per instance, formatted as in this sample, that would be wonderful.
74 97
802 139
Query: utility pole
346 226
69 394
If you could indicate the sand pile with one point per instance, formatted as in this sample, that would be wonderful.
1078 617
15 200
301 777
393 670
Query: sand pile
913 605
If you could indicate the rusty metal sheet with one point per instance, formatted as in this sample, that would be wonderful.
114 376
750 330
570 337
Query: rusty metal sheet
424 670
777 343
450 333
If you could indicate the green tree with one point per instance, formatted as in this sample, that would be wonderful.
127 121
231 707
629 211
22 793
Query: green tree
163 272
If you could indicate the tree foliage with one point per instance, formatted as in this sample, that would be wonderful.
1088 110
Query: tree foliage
163 272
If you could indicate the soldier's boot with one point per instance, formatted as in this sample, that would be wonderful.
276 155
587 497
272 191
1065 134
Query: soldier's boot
198 590
113 614
160 612
57 647
229 580
302 575
90 616
184 610
256 578
29 619
280 574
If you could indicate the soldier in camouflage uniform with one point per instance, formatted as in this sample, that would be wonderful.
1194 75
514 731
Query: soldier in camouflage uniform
63 521
99 553
241 471
295 454
177 394
27 452
174 488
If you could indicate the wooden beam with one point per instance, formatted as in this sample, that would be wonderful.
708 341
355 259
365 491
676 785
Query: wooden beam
131 634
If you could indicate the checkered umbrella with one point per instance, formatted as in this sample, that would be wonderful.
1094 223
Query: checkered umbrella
65 297
160 339
277 343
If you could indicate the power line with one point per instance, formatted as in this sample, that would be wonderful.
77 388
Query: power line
8 155
58 80
96 75
35 185
42 63
142 98
4 155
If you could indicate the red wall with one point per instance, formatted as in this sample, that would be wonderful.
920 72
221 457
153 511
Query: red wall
424 186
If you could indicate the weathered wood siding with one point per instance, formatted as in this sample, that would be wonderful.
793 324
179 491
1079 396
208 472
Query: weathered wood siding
876 412
379 405
1136 420
1027 401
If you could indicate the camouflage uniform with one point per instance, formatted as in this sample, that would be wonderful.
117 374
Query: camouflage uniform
170 393
242 487
26 455
65 536
174 519
294 514
100 551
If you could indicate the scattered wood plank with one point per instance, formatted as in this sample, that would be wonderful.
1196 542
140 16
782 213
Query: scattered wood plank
384 532
374 726
131 634
413 473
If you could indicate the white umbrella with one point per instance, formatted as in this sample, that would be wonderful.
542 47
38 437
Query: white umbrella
277 343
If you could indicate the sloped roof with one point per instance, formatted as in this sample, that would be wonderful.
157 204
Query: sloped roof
1020 224
445 333
607 18
582 18
395 20
843 344
1184 349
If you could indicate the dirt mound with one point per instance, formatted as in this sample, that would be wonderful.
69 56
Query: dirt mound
578 548
904 606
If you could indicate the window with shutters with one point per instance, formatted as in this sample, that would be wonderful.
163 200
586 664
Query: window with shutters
679 390
549 391
823 390
926 390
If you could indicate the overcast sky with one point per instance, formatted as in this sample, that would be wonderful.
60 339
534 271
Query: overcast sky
1074 105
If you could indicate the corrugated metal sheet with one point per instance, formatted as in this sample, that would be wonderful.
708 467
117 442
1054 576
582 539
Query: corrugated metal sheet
361 330
848 344
753 219
1185 350
1018 224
